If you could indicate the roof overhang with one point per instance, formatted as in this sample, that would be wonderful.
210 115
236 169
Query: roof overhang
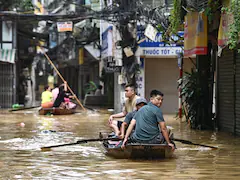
94 52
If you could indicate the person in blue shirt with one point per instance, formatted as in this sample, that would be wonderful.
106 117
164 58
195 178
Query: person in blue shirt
140 102
149 123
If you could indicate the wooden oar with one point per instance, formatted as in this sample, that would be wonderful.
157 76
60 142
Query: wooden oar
49 60
191 143
23 108
47 148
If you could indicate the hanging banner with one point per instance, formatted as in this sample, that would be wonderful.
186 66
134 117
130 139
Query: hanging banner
107 43
110 65
150 32
195 34
64 26
7 55
225 21
140 79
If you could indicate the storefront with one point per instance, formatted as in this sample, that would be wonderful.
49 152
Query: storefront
226 90
160 71
228 81
229 91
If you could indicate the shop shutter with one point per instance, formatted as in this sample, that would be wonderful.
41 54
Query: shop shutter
226 91
237 101
6 85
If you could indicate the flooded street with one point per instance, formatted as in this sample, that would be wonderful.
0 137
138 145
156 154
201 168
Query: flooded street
23 133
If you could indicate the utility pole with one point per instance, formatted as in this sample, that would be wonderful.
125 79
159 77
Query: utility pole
127 44
180 66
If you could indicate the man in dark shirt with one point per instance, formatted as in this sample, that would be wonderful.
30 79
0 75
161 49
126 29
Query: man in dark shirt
148 120
61 95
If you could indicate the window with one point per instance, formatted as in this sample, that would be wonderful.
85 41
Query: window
6 37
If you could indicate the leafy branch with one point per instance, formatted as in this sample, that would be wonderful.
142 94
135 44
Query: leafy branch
234 24
20 5
212 8
175 18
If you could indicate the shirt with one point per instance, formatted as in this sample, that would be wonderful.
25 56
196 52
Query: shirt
55 92
147 122
130 105
60 99
129 117
46 96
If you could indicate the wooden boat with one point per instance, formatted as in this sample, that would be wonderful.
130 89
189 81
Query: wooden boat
55 111
137 150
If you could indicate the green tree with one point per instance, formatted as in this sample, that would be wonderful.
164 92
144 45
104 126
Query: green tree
233 34
19 5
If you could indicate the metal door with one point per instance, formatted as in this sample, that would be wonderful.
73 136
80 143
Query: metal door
226 91
6 85
237 95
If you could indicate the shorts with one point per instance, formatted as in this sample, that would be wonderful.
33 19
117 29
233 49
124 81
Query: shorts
119 124
47 105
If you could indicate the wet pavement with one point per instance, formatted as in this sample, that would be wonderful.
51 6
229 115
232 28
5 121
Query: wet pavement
23 133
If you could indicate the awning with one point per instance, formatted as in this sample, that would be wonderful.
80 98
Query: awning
95 53
7 55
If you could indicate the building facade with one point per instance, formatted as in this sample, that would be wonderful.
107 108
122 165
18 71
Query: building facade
228 80
160 70
8 59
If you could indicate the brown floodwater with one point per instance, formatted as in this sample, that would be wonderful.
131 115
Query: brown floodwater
21 157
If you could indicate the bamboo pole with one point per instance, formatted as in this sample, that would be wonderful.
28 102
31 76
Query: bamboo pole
49 60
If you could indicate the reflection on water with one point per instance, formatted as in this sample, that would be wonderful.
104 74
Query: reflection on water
21 157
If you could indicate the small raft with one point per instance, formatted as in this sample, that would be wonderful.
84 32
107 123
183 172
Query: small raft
137 150
56 111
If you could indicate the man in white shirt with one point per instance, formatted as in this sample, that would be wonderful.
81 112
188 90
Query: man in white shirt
130 105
